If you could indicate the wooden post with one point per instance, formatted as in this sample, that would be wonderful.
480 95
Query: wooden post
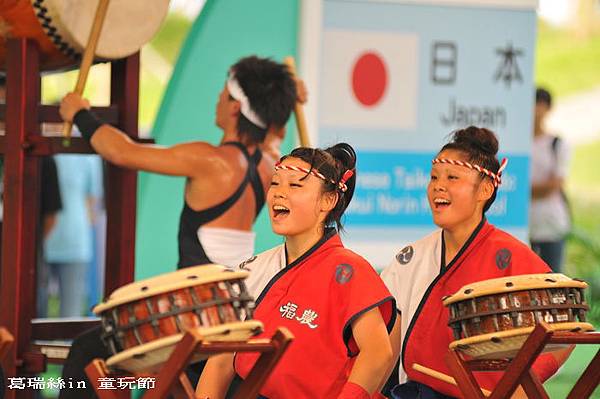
21 205
122 183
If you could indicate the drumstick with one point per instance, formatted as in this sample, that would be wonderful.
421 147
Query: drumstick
441 376
298 110
86 60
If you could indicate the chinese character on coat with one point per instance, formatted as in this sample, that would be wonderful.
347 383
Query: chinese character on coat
288 310
308 317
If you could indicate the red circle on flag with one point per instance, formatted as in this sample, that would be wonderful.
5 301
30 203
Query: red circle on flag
369 79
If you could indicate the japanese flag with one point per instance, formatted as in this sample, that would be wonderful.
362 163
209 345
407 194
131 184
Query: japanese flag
370 79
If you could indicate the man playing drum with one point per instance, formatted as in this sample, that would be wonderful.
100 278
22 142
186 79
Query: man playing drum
464 181
223 181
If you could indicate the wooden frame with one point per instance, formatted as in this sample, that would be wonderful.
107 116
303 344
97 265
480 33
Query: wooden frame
173 381
517 372
21 146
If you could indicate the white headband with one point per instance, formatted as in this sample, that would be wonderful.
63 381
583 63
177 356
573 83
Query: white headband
235 91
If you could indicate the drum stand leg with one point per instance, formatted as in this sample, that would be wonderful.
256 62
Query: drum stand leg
518 370
587 383
171 379
264 365
96 371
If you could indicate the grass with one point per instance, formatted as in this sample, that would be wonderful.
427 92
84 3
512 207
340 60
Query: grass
582 177
583 244
171 35
166 43
560 385
565 63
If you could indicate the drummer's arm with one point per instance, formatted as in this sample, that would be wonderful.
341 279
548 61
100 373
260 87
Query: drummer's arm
375 354
117 147
396 341
186 159
216 377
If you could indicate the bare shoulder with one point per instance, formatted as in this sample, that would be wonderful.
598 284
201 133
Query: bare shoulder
196 147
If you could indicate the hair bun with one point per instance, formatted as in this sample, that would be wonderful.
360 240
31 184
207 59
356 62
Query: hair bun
478 138
344 153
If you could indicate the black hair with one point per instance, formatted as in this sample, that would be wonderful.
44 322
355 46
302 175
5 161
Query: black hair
480 146
271 91
332 162
543 96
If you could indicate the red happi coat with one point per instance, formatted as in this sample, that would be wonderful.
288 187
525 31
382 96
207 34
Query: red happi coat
419 281
317 298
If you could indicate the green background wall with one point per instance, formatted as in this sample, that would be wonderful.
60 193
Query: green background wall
225 31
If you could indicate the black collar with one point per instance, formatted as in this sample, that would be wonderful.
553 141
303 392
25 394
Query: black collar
329 232
463 248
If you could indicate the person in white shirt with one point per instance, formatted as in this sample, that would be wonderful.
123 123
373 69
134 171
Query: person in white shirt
549 215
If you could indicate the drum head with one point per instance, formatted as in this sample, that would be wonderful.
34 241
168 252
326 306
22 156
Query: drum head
128 25
187 277
513 284
149 357
506 344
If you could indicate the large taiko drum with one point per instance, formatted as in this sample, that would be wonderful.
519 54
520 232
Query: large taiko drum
61 27
492 319
143 321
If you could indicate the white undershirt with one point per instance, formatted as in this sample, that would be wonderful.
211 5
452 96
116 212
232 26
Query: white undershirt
227 247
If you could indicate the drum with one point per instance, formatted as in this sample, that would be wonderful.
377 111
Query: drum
61 27
492 319
143 321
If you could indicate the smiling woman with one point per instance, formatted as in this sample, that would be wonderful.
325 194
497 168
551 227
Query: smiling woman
465 176
330 298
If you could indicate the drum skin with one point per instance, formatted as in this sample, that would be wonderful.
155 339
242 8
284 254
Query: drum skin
145 320
506 311
170 302
145 311
515 302
492 319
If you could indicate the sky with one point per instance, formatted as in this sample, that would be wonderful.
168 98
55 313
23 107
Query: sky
556 12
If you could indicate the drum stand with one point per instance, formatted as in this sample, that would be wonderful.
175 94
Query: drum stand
171 379
518 370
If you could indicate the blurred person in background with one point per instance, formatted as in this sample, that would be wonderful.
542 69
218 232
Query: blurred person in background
549 214
68 249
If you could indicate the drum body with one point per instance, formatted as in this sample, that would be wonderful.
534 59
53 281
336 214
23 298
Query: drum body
143 321
492 318
61 28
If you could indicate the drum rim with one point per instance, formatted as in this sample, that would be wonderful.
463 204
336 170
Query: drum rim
71 45
530 282
486 338
208 332
213 273
44 13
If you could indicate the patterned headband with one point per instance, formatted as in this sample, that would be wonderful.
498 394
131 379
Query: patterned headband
496 177
235 90
341 185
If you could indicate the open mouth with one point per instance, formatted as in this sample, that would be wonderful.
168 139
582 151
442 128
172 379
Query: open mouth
441 203
280 211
